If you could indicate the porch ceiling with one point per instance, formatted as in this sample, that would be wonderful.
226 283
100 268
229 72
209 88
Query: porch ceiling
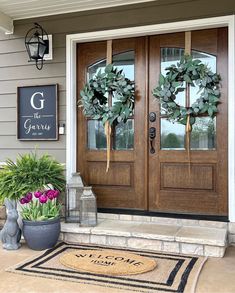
11 10
21 9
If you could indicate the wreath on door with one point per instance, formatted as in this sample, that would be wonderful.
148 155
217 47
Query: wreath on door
194 73
96 92
96 103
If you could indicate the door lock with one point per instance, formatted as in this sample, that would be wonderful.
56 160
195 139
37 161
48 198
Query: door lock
152 135
152 116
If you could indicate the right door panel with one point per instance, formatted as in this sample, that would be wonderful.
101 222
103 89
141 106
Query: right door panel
172 188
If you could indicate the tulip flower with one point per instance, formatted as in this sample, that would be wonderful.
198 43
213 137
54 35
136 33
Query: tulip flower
37 194
44 205
56 193
29 196
43 198
22 200
50 194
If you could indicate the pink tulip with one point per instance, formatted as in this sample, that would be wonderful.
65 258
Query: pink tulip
50 194
29 196
56 193
43 199
37 194
22 200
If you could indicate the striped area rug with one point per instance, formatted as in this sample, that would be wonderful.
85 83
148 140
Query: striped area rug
174 273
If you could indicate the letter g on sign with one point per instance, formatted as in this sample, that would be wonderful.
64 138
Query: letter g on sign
32 101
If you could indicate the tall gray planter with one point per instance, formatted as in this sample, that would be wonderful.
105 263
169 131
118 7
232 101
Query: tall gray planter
40 235
11 234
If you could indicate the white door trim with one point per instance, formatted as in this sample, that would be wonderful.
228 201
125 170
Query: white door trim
71 119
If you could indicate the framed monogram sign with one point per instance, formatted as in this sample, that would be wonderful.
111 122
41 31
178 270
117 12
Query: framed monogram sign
37 112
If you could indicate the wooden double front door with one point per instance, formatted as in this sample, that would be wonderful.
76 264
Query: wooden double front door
139 179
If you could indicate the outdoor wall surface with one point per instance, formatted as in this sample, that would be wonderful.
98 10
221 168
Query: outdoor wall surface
16 71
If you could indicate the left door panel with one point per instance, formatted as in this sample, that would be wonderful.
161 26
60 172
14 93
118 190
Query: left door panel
124 186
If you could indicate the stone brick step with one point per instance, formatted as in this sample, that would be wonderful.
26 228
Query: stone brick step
196 240
164 220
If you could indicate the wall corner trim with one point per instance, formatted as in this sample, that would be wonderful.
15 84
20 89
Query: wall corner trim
6 23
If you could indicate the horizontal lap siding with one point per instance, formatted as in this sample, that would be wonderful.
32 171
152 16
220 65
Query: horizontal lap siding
15 70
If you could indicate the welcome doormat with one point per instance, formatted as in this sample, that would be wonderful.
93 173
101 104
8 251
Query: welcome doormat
109 262
173 273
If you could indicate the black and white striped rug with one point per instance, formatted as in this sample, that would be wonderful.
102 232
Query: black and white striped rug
174 273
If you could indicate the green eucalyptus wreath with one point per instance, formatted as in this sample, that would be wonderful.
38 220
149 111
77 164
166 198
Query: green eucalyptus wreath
195 73
96 92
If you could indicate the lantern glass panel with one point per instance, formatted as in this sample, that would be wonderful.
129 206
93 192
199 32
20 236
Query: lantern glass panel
41 49
88 208
33 48
73 195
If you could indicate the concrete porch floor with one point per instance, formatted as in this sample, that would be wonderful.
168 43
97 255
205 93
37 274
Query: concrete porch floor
217 276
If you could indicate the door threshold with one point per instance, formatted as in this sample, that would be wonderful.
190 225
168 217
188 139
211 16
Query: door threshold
162 215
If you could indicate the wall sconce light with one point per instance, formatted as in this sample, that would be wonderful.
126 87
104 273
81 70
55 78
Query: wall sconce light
37 44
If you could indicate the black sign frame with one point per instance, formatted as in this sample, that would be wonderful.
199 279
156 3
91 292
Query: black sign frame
23 103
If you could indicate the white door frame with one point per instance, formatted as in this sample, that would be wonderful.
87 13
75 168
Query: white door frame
71 81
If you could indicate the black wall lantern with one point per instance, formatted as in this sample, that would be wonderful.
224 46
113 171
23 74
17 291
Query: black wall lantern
37 44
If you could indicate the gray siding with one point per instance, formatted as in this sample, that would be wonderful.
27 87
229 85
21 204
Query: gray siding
16 71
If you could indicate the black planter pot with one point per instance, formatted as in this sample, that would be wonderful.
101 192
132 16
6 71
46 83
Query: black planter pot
41 235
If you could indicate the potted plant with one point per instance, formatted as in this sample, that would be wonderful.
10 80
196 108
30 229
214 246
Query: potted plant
41 218
36 182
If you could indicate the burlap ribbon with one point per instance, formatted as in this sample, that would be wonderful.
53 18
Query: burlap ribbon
108 130
188 131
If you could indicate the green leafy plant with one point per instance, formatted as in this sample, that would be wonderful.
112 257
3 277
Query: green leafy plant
28 174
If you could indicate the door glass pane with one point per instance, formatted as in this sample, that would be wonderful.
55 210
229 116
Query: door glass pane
124 132
96 139
93 69
124 136
170 56
172 135
203 135
126 62
207 59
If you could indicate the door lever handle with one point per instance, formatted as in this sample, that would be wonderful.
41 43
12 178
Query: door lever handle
152 135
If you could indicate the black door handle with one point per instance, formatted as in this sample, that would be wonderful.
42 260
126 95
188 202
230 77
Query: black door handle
152 135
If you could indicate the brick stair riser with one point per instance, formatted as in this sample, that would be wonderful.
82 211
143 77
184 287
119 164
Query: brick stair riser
165 221
145 244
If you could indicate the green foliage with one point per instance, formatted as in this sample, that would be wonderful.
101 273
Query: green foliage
194 73
95 96
28 174
35 211
171 141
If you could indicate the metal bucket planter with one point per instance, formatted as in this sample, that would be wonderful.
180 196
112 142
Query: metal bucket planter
41 235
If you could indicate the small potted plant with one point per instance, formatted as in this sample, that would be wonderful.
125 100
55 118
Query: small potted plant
41 218
36 182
